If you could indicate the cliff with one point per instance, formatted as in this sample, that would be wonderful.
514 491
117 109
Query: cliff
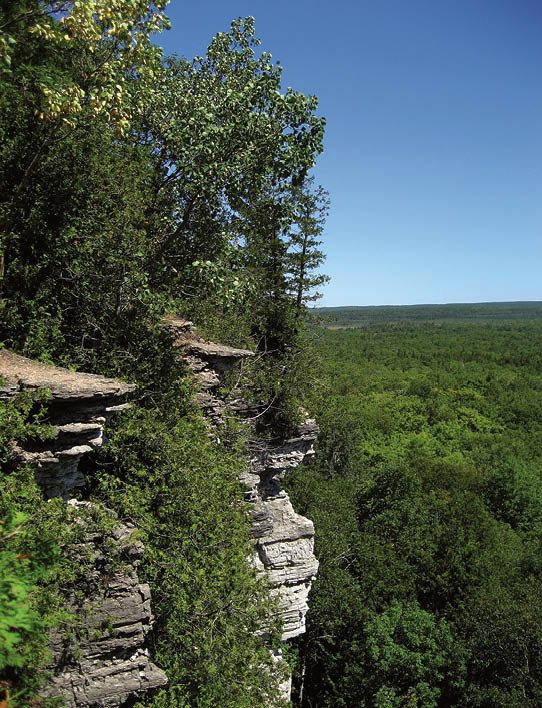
283 539
284 549
102 660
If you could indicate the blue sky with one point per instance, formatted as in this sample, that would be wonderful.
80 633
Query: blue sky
433 148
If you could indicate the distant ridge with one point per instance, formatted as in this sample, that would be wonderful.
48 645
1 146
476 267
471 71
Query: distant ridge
359 315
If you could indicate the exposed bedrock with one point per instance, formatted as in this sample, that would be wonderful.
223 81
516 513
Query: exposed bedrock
77 410
283 540
102 659
207 361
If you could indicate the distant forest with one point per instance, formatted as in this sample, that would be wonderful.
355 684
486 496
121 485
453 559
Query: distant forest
426 495
353 316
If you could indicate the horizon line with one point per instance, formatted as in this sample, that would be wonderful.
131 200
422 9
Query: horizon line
436 304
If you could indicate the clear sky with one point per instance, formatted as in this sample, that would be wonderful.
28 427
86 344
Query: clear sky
433 149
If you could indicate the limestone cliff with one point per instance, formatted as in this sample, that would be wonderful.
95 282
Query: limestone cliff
283 540
102 661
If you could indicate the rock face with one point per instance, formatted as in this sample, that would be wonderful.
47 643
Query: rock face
207 361
103 660
78 408
284 540
22 374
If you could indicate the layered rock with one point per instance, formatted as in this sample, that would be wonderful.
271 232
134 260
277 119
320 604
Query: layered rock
207 361
102 660
284 540
77 409
274 458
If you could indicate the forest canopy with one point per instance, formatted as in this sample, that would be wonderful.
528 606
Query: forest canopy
426 495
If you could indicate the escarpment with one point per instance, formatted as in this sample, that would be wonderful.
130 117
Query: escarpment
283 539
101 659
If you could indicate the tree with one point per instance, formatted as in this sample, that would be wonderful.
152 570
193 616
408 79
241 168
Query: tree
304 255
106 226
221 130
103 46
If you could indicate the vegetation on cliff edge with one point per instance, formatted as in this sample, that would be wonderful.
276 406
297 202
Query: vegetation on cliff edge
135 185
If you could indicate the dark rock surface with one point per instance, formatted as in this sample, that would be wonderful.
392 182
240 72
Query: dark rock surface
23 374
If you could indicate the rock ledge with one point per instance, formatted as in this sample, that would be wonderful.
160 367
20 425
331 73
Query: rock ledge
102 661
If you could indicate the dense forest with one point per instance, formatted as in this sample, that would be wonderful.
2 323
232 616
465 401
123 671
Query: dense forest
135 185
427 500
337 317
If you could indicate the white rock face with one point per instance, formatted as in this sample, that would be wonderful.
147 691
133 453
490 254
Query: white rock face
283 539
